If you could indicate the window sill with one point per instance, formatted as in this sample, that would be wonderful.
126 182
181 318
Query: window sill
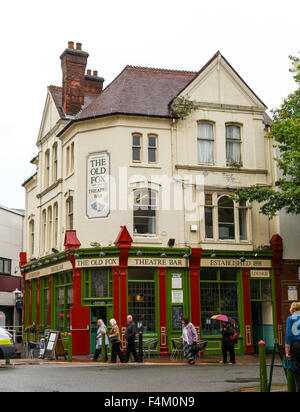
146 165
146 239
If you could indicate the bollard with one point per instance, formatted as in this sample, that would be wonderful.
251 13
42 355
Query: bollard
70 347
290 381
7 362
103 349
140 346
262 366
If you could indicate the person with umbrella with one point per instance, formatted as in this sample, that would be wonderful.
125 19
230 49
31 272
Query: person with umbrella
227 331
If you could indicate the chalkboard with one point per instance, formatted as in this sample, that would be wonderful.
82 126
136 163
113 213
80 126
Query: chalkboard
55 345
177 313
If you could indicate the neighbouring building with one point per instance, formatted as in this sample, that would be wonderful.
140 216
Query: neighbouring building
130 208
11 244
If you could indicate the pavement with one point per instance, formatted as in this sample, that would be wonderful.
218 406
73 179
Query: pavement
213 376
206 360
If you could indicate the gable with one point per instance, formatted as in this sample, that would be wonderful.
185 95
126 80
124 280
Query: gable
219 83
50 116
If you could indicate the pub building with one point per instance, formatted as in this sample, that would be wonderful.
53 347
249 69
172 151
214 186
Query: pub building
101 239
157 287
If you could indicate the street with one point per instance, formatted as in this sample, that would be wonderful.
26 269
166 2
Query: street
64 377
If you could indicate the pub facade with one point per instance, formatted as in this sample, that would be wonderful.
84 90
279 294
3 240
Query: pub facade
130 209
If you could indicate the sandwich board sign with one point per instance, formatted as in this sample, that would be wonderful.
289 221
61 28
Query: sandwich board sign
55 346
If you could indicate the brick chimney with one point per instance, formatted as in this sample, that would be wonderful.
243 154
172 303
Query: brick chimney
73 64
93 83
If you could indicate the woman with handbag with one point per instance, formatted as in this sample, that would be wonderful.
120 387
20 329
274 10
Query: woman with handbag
189 339
227 331
292 341
114 339
101 333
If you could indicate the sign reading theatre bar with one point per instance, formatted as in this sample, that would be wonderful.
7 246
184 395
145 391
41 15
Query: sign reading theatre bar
233 263
150 262
50 270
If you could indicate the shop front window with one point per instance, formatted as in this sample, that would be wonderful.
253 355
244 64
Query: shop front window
64 300
98 283
141 297
218 295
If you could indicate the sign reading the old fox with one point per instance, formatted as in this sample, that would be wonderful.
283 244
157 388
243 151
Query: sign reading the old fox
98 185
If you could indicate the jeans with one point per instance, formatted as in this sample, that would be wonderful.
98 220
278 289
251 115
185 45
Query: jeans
116 350
131 349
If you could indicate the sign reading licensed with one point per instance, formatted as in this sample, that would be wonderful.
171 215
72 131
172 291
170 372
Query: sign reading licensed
98 185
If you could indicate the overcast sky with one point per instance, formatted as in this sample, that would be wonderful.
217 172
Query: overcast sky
256 37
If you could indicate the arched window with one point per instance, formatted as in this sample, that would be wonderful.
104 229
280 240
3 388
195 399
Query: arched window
69 210
144 211
233 144
49 228
226 218
54 163
44 226
55 225
31 237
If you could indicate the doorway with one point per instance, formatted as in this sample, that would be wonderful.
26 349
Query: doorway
97 312
262 324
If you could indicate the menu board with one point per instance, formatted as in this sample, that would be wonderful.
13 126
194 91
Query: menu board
177 314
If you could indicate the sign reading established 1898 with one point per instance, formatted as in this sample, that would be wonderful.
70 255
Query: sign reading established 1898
98 185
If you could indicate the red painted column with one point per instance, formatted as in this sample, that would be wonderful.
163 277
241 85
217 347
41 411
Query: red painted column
163 311
79 315
23 261
116 289
194 266
277 247
123 241
247 312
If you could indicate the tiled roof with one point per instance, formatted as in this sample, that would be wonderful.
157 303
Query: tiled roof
139 90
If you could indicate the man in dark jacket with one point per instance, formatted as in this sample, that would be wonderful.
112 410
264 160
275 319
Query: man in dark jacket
130 338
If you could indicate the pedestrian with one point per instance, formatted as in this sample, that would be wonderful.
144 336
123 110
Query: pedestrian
130 339
101 332
114 339
189 339
292 340
227 330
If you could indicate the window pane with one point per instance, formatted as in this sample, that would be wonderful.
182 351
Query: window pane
205 151
226 218
208 274
60 295
144 214
205 131
233 152
266 289
209 223
141 273
208 199
243 224
136 140
228 274
152 141
141 304
99 283
254 289
233 132
7 267
1 265
152 155
136 153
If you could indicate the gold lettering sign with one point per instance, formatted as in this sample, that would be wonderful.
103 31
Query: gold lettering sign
99 262
157 262
259 273
235 263
61 267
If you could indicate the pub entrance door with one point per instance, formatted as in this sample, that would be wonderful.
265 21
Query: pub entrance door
262 324
97 312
